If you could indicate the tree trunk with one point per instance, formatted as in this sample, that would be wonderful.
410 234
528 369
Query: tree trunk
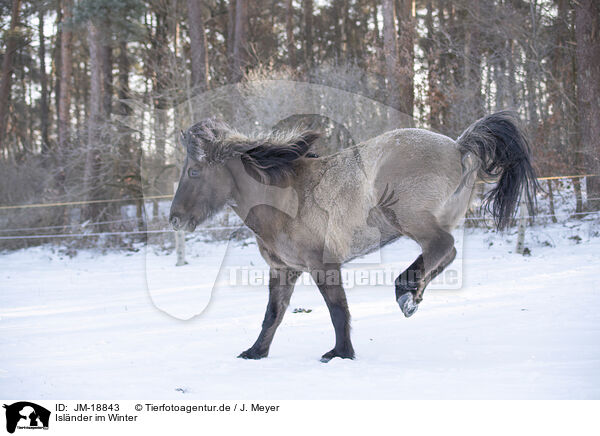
7 70
66 70
107 132
95 103
434 96
406 55
377 36
127 168
561 120
348 32
336 17
124 65
512 81
446 84
378 55
43 83
240 40
308 33
531 74
289 33
343 10
499 79
198 52
56 56
159 83
106 56
390 53
578 197
230 36
576 154
95 115
531 83
587 32
472 65
551 201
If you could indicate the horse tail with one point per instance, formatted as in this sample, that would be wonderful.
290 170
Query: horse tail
504 154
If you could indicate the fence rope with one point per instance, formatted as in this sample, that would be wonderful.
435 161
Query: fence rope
204 229
156 197
567 177
74 203
74 235
92 224
536 216
135 232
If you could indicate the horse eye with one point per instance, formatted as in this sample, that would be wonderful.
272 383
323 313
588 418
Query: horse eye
193 173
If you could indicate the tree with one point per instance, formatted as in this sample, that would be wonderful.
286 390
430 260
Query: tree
95 103
43 82
434 96
66 70
198 57
289 33
406 55
231 4
308 32
390 52
55 72
473 56
7 69
472 62
587 32
95 113
106 56
240 40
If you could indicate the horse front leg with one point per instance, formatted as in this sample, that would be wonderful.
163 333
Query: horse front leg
281 287
329 283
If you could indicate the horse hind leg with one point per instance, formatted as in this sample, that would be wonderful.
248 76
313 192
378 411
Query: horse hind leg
438 252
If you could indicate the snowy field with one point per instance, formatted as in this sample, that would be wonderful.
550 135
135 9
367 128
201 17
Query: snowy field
100 326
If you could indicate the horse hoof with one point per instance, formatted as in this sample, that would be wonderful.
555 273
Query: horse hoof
251 354
407 304
331 354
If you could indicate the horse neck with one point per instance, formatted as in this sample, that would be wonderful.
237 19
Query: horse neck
249 193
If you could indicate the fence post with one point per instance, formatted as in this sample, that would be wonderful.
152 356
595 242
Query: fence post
179 240
522 223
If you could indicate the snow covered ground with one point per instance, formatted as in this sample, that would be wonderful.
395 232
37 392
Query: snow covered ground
101 326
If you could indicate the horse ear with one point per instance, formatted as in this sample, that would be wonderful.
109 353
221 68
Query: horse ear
306 141
207 130
199 136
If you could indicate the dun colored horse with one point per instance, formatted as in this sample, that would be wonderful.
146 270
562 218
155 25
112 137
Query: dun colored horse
314 213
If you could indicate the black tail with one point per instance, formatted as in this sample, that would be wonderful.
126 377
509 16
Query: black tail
505 157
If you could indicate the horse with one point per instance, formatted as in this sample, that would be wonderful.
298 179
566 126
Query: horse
312 214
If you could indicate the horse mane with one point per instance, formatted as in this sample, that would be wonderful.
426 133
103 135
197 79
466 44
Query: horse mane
270 156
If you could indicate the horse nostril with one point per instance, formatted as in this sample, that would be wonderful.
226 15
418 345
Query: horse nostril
175 221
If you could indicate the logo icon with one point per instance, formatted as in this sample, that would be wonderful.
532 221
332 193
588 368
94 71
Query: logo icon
26 415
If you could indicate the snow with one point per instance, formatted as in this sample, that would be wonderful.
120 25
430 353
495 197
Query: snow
124 325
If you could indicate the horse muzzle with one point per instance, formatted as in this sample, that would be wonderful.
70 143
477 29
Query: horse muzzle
175 222
180 224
